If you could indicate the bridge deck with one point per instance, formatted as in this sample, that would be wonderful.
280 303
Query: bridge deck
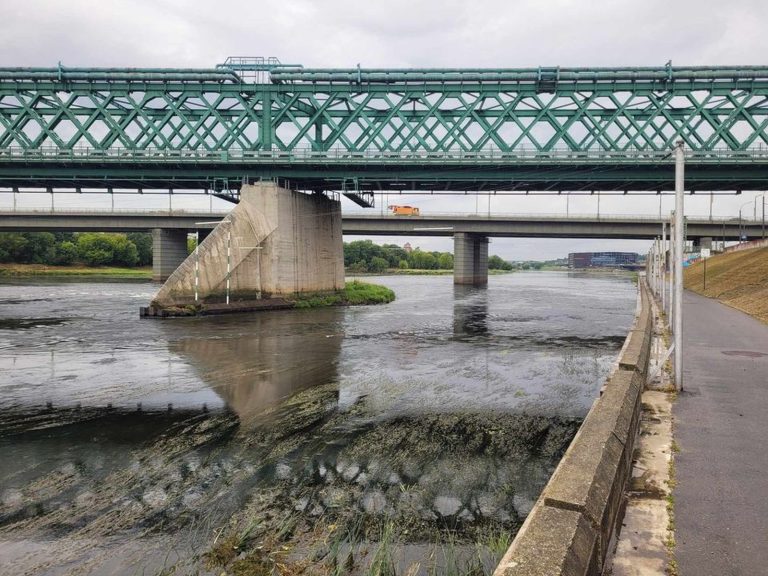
496 225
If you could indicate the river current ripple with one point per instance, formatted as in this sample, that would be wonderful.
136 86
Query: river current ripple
136 446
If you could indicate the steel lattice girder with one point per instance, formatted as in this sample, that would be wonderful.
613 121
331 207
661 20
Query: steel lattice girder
394 118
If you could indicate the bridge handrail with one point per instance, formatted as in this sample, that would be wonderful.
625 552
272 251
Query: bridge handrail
306 155
426 216
180 212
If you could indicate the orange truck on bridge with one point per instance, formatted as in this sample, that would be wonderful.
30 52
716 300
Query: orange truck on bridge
404 210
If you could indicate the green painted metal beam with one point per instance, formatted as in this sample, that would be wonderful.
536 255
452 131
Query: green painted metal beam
245 110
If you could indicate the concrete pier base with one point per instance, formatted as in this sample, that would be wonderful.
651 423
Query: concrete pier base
169 249
276 243
470 259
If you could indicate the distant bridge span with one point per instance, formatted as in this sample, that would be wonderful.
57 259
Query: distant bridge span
501 226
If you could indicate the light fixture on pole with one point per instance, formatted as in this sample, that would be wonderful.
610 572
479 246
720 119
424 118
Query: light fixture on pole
763 216
742 226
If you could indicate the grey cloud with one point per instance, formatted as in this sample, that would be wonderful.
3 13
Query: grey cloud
396 33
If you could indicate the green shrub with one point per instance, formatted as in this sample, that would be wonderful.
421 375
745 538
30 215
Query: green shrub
96 249
27 247
378 264
143 242
356 293
66 253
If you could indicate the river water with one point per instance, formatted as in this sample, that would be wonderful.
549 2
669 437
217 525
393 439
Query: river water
412 437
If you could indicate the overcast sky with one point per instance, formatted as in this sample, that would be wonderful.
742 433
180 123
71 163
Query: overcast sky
403 33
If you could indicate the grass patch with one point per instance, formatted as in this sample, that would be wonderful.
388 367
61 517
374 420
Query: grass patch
355 293
21 270
738 279
670 542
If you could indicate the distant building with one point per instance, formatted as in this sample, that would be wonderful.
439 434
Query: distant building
603 260
407 247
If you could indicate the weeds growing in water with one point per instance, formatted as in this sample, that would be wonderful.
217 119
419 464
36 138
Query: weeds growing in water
382 563
497 542
336 550
383 518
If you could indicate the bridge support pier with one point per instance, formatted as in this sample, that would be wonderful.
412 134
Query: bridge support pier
273 245
169 249
705 242
470 259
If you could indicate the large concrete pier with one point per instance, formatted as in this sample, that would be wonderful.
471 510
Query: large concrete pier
275 243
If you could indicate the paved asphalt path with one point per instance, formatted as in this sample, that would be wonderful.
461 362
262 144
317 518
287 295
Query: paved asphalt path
721 421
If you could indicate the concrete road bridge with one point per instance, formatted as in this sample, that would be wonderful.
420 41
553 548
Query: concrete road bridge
610 226
279 129
170 228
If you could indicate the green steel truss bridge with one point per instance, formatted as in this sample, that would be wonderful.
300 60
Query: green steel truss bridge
364 130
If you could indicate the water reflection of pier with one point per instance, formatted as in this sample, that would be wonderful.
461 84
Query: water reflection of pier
255 362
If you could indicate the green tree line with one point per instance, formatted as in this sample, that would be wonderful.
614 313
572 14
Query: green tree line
135 249
66 248
365 256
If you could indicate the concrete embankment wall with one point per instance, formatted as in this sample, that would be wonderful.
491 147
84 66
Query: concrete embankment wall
571 527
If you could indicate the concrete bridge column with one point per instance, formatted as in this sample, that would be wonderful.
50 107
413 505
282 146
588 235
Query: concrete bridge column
275 244
470 259
169 249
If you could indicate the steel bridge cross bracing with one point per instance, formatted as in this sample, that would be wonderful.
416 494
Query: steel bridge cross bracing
554 128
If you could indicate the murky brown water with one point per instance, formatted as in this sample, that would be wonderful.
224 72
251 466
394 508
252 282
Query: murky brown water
417 433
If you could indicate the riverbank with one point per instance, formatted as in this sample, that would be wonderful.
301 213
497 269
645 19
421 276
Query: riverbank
737 279
417 272
580 510
22 270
